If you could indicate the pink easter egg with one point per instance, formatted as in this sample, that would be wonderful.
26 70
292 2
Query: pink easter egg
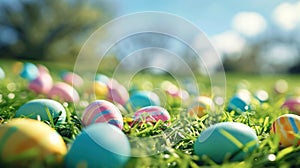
43 83
151 114
63 92
102 111
117 92
292 104
73 79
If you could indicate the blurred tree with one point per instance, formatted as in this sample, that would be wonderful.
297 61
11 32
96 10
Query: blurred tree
48 29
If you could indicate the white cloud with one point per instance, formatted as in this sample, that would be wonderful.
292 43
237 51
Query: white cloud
249 23
229 42
287 15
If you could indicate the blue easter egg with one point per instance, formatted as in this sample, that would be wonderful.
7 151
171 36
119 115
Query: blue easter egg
102 78
38 107
29 71
226 140
99 145
2 73
141 99
237 104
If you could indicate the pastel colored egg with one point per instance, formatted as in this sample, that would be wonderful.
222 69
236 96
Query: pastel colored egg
26 141
292 104
281 86
72 79
141 99
151 114
2 73
99 89
286 127
102 78
38 107
102 111
43 83
63 92
99 145
224 140
200 106
262 96
117 93
26 70
238 104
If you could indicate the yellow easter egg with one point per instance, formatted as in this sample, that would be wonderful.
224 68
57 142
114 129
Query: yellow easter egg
200 106
24 141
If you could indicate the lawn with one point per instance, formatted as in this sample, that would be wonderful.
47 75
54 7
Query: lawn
14 93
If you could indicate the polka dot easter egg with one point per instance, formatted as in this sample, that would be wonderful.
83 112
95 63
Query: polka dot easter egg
99 145
102 111
226 140
292 104
26 70
142 99
200 106
63 92
286 126
39 107
26 141
151 114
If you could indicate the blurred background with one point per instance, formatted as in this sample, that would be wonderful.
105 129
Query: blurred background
258 36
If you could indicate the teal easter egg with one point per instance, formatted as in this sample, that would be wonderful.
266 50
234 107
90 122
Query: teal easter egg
29 71
99 145
2 73
141 99
38 107
102 78
226 140
237 104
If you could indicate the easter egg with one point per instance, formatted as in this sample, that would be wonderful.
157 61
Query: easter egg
99 89
102 78
151 114
38 107
72 79
292 104
102 111
63 92
99 145
25 141
117 93
262 96
200 106
237 104
2 73
43 83
142 99
224 140
27 70
286 126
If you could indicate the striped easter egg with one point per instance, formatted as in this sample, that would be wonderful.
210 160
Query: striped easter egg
286 126
151 114
25 141
102 111
63 92
117 93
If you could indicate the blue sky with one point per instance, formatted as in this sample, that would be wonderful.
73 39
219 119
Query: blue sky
212 17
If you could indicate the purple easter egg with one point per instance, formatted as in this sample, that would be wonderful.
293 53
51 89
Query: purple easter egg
292 104
151 114
117 92
102 111
63 92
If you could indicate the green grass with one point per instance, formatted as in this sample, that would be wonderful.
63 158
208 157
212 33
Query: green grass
179 153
